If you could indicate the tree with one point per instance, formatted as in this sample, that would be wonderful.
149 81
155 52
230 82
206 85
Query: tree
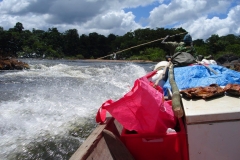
71 43
231 39
54 40
93 44
4 43
84 46
102 46
233 48
111 42
52 43
18 27
212 44
198 42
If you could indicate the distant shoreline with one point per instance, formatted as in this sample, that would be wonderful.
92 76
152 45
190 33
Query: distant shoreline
98 60
102 60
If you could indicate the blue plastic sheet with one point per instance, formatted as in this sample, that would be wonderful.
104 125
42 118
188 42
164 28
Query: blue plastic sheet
199 75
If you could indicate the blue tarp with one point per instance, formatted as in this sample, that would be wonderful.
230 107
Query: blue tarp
199 75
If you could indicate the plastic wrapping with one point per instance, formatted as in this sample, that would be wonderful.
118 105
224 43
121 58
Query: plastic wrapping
199 75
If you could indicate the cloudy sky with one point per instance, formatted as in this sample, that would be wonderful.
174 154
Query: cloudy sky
201 18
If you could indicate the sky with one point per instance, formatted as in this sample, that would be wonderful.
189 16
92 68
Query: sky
201 18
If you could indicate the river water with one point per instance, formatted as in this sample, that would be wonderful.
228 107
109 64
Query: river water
46 112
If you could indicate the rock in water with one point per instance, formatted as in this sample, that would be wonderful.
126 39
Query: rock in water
12 64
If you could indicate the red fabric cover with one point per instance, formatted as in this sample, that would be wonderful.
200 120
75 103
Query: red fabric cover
142 109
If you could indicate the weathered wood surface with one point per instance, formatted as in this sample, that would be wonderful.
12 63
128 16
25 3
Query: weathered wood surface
176 98
100 152
104 143
116 147
87 148
118 127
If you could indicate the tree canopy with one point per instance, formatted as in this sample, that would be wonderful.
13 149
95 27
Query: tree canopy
17 42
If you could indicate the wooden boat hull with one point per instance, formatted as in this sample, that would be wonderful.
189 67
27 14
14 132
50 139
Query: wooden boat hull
111 141
103 144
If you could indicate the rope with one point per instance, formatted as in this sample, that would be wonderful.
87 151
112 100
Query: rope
138 46
207 67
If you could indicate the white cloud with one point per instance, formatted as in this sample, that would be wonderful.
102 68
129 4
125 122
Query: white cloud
204 27
99 16
199 17
116 4
112 22
233 16
181 11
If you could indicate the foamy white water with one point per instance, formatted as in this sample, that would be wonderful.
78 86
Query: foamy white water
46 101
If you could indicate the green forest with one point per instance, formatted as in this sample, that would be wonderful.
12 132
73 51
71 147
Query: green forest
52 44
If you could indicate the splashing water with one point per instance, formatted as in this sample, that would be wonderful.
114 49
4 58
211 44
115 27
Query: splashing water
47 112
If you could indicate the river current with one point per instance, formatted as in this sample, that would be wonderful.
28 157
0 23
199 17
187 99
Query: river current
46 112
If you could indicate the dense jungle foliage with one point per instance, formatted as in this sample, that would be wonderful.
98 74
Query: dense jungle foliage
17 42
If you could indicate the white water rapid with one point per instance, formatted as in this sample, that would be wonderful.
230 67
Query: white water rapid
38 107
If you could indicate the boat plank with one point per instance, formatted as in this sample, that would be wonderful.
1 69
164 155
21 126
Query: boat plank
101 152
117 149
91 142
118 127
